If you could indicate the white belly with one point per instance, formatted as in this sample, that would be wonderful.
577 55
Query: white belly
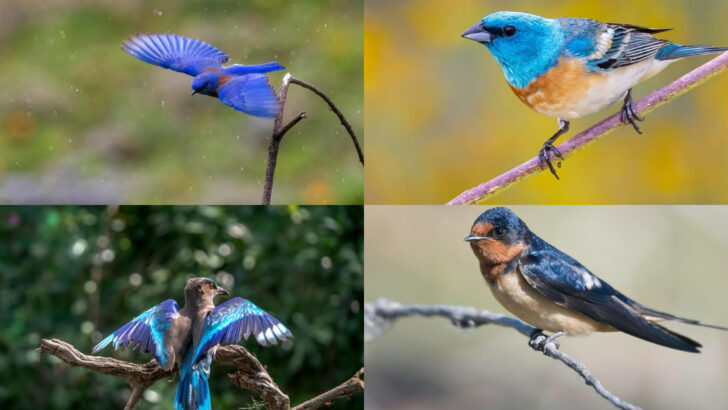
611 90
515 294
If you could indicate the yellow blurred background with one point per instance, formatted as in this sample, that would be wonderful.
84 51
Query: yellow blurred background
669 258
440 117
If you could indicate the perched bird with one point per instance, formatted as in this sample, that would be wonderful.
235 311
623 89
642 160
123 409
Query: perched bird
188 337
570 67
552 291
243 87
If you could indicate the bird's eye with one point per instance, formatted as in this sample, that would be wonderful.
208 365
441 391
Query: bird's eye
498 231
508 31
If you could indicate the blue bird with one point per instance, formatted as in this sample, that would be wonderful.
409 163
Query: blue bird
570 67
242 87
188 337
552 291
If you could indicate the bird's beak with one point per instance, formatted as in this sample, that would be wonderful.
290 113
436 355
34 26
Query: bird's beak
478 33
193 93
221 291
473 237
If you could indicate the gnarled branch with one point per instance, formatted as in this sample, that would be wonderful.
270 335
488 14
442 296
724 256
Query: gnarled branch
487 190
381 315
250 374
279 130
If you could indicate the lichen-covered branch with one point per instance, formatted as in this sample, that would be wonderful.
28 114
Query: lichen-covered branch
279 130
487 190
382 314
250 375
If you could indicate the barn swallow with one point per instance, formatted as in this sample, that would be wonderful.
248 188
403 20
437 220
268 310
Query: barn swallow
552 291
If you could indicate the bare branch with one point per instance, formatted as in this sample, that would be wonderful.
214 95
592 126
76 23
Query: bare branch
381 315
279 130
344 390
250 375
487 190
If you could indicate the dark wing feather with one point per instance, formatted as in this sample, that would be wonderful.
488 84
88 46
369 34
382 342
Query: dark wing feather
628 45
566 282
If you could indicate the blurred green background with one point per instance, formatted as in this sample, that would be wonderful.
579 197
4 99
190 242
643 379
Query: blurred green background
83 122
669 258
78 274
441 118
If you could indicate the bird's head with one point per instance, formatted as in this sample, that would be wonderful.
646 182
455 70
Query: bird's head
525 45
205 83
203 289
497 236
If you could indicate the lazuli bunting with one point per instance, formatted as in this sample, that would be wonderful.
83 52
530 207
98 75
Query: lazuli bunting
569 67
552 291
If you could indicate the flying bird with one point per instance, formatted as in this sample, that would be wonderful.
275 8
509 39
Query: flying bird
242 87
571 67
189 336
552 291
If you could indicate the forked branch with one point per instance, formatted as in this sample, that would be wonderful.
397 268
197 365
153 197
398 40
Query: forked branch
250 375
279 130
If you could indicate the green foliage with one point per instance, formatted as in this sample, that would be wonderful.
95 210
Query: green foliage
79 273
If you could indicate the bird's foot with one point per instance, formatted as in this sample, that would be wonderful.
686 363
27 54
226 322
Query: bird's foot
465 323
547 153
539 340
628 114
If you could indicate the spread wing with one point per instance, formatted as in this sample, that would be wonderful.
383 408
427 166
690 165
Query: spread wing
146 331
177 53
235 319
566 282
251 94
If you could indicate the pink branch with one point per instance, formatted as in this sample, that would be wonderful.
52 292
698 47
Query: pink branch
485 191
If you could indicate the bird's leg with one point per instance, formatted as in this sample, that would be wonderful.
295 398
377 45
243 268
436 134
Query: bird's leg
628 115
544 156
537 340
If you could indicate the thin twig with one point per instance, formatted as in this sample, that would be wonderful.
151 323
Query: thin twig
336 111
487 190
381 315
250 374
344 390
279 130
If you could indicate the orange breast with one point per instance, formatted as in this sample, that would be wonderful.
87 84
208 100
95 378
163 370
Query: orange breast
564 86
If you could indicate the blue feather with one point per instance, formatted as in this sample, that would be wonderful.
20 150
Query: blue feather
674 51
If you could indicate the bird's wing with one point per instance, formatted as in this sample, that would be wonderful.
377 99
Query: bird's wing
605 46
240 69
251 94
237 318
566 282
177 53
620 45
147 331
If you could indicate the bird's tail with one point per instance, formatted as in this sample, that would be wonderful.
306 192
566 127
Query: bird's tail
674 51
193 391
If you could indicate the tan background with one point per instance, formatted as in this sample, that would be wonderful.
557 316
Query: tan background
669 258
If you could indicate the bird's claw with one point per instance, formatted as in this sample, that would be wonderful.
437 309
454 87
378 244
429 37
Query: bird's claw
548 151
539 340
465 323
628 114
